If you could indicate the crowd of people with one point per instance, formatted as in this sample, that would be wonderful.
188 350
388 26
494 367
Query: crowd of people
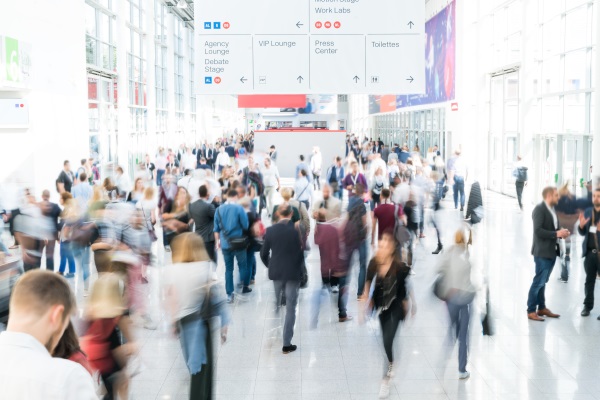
227 200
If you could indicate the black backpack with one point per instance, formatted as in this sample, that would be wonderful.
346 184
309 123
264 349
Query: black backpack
522 174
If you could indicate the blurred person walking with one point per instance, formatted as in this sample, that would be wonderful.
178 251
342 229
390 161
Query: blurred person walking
230 222
69 218
353 179
333 269
40 309
176 218
68 348
389 278
270 175
439 178
545 249
316 167
192 301
355 236
83 192
52 212
457 168
520 174
589 227
303 189
331 206
303 166
161 165
108 341
458 291
282 253
335 177
65 179
203 214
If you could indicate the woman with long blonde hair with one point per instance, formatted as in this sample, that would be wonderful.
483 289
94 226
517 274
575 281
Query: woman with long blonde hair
193 299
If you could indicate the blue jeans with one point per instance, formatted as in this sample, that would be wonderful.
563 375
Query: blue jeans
82 256
159 176
459 188
459 319
537 292
228 256
251 263
66 255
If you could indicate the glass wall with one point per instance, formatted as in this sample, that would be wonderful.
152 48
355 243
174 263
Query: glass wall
424 128
100 36
160 67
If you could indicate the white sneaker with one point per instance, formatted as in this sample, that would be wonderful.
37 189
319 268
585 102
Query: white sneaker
384 390
86 293
335 289
390 371
214 276
464 375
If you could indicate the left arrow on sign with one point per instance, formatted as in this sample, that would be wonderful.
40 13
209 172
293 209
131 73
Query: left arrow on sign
243 80
300 78
298 24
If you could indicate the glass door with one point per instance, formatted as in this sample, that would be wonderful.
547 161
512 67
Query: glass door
573 166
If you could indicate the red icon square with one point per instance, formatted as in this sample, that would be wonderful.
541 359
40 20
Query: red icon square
337 25
22 105
217 80
226 25
318 24
327 24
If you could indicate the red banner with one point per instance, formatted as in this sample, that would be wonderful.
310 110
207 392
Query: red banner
271 100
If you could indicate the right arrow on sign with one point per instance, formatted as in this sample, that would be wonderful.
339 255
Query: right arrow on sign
410 79
243 80
410 24
300 78
356 78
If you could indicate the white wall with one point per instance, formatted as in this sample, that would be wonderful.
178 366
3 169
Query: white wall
57 95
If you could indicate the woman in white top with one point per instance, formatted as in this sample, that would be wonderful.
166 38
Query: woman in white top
271 181
303 189
378 183
192 299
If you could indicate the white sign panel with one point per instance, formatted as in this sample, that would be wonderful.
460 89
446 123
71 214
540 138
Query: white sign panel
14 113
310 46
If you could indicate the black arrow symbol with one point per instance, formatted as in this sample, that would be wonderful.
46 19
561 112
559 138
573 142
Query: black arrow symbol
356 78
300 78
410 79
410 23
299 24
243 80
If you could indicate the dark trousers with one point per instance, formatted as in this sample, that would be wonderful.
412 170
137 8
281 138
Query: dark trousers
49 245
328 282
317 181
201 383
520 186
66 256
459 189
389 321
306 203
537 292
159 176
592 267
251 262
565 259
211 250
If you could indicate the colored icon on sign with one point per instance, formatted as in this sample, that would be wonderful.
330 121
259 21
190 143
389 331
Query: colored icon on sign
327 24
16 106
217 80
207 80
216 25
337 24
226 25
207 25
22 105
318 24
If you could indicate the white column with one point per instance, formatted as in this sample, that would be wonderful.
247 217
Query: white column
596 111
124 119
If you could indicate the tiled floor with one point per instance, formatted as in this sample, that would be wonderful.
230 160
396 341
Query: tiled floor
556 359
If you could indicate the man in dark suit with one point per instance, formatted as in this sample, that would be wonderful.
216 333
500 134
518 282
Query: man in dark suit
203 214
589 227
282 253
545 249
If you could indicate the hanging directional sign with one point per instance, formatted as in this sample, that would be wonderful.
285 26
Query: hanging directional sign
310 46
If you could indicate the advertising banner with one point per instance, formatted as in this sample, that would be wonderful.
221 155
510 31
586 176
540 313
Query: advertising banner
440 63
15 61
316 104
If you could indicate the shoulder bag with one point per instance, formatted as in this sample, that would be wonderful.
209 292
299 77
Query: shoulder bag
235 244
401 234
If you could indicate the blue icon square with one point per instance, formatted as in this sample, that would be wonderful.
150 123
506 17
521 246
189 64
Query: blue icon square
216 25
16 106
207 25
207 80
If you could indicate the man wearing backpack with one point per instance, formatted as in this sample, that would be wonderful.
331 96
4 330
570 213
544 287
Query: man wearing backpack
355 235
520 174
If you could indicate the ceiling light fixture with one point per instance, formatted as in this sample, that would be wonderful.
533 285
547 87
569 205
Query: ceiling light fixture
182 4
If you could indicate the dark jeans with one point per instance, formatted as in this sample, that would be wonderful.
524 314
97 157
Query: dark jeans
317 181
459 310
459 189
363 249
211 250
537 292
592 267
201 383
306 204
389 321
229 256
159 176
66 255
520 186
328 282
290 290
251 262
50 246
337 190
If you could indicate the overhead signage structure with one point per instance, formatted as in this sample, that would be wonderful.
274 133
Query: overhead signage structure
310 46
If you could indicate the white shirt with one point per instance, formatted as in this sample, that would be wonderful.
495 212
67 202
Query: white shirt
316 162
27 371
188 280
554 217
270 176
188 161
223 160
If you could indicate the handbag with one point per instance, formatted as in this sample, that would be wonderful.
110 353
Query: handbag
235 244
486 322
151 231
439 289
401 233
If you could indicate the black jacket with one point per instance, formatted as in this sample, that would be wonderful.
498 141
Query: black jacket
203 214
585 232
544 233
282 252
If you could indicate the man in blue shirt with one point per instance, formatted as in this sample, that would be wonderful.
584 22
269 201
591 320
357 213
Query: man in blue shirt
231 221
82 192
305 167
